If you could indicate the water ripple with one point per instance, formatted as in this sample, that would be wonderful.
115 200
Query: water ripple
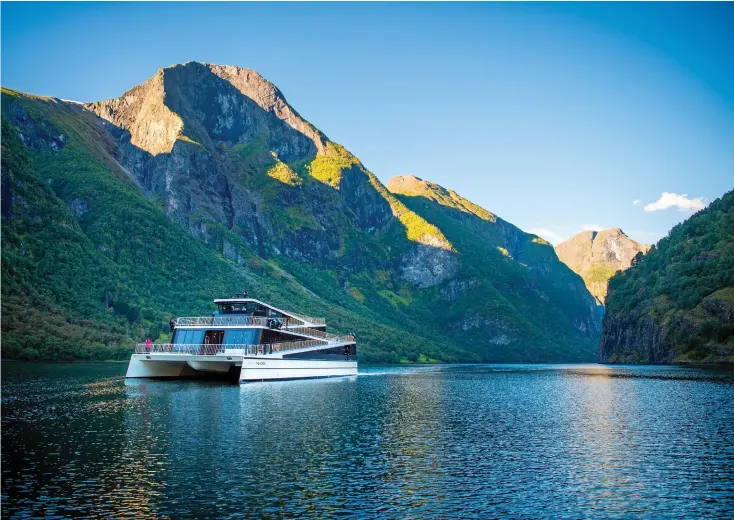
518 441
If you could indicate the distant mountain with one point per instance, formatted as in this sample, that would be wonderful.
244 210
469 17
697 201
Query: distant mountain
203 181
597 255
676 303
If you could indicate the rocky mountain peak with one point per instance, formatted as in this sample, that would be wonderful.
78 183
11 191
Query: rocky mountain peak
407 185
142 111
597 255
269 98
208 103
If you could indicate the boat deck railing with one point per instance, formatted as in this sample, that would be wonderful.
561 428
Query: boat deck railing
234 349
321 334
310 320
246 321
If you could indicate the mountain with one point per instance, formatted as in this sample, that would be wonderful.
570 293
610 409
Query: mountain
204 181
676 303
597 255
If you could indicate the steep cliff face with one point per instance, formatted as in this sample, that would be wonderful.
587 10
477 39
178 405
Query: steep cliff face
676 303
256 196
597 255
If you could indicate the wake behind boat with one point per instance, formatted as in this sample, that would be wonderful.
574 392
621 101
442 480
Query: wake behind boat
249 339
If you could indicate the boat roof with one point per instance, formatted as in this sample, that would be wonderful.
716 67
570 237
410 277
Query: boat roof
225 301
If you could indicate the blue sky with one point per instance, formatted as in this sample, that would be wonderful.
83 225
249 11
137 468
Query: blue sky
556 117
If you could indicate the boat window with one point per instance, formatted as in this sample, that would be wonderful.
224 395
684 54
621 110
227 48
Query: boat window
242 337
188 337
213 337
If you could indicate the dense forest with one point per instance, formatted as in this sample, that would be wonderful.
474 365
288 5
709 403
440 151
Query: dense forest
676 303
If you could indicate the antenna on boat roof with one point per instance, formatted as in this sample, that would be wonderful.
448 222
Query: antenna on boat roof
243 294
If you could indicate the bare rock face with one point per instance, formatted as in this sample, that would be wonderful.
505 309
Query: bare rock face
597 255
201 137
35 135
269 98
427 265
142 111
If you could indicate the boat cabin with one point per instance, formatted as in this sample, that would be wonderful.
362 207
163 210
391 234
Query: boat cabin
248 307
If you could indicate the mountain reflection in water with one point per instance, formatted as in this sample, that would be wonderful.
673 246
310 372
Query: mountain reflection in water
440 441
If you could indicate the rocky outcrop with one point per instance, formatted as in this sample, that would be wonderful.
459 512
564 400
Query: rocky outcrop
455 289
270 99
426 265
597 255
142 111
635 339
36 135
373 212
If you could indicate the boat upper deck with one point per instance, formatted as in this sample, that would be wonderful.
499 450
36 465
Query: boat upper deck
251 307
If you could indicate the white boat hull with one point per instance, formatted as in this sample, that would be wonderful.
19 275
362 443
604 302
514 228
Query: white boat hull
260 368
266 369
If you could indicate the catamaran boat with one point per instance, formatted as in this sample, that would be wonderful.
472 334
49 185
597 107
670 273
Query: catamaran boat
250 340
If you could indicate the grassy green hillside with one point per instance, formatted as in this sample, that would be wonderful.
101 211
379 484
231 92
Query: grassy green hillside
676 303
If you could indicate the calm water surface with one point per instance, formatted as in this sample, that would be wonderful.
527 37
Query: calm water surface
521 441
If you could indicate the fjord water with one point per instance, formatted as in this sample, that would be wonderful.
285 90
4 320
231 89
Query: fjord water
445 441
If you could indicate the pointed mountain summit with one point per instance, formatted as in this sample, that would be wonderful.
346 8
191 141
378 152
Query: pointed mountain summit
220 123
200 100
204 179
597 255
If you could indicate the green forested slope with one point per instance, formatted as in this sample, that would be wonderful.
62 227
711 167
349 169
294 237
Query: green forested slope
91 285
104 242
519 290
676 303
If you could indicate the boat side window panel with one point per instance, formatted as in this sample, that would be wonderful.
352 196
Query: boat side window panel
242 337
188 337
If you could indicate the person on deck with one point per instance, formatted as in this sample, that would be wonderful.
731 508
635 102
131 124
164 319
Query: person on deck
148 344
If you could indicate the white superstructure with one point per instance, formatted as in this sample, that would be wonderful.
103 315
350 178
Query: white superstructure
250 340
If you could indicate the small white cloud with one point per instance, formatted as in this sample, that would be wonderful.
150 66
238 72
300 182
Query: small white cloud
551 236
636 202
670 200
592 227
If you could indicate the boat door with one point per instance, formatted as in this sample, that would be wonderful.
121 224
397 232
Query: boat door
212 341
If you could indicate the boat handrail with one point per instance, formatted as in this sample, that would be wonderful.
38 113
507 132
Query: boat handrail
211 349
310 320
255 321
321 334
